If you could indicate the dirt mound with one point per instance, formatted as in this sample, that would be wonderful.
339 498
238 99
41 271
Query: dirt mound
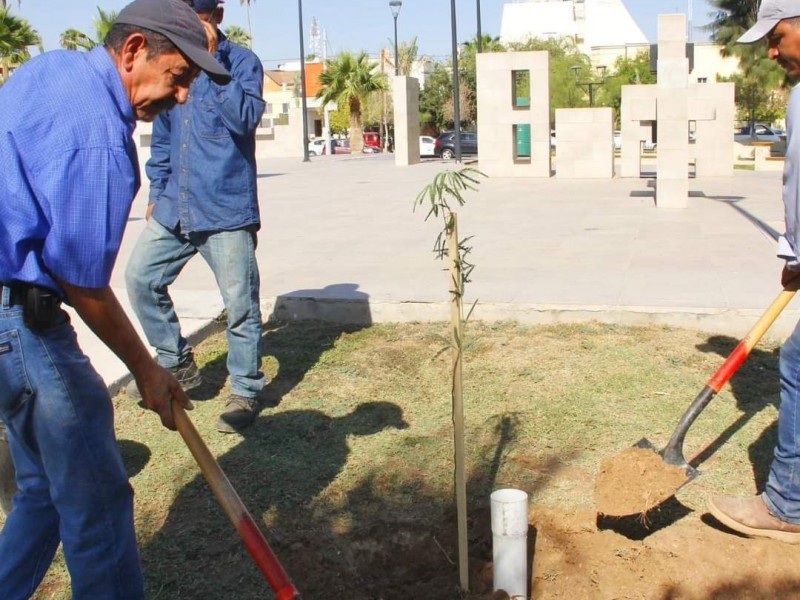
634 481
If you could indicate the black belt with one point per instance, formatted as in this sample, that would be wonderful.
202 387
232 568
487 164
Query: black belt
17 295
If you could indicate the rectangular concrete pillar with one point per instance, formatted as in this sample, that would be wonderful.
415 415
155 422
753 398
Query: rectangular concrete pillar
500 114
672 182
585 143
405 95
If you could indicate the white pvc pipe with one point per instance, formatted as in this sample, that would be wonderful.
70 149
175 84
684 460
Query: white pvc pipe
510 541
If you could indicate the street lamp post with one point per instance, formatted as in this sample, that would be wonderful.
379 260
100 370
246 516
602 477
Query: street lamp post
303 82
395 5
456 91
589 84
480 35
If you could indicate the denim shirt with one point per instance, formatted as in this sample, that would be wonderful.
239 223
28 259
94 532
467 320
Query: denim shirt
202 168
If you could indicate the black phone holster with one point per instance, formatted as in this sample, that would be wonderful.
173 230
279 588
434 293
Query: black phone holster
41 308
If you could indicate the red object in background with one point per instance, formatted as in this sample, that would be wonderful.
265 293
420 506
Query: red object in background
372 138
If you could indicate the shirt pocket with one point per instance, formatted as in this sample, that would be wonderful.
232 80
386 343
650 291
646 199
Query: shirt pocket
209 122
15 388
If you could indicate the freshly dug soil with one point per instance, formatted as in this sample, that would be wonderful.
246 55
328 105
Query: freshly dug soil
635 481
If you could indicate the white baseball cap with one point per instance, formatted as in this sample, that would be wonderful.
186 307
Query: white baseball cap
770 14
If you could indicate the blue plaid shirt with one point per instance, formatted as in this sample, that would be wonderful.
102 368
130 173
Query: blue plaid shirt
69 169
202 168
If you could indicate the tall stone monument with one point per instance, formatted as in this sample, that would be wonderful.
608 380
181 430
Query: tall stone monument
514 114
405 96
672 104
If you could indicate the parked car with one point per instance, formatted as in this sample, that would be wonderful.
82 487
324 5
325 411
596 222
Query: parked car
427 145
617 140
370 149
316 147
340 146
444 146
761 132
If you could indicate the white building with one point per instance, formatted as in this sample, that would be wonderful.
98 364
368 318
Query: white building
591 23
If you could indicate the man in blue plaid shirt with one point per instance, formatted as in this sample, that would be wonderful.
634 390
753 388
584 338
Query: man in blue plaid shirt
69 176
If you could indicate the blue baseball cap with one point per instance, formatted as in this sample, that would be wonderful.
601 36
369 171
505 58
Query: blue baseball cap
205 5
176 21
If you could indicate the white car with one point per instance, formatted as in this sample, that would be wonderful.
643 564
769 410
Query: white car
316 147
427 145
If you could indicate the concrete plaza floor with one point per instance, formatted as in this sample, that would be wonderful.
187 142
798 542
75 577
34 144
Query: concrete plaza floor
340 240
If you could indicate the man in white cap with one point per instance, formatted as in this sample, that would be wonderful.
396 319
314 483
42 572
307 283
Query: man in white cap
776 512
69 175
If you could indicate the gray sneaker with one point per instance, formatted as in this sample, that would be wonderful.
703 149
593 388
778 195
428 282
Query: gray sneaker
187 374
240 412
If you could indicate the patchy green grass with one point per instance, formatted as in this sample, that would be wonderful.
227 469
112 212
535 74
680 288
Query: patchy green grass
349 468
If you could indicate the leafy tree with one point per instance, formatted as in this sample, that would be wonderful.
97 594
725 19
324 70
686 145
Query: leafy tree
760 75
16 34
434 98
564 55
74 39
468 80
238 35
626 71
340 120
756 103
351 80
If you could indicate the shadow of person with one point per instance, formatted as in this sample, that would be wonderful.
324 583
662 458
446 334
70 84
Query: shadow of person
339 308
754 387
304 324
279 469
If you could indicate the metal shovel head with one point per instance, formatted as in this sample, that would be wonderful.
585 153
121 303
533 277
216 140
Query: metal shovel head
691 472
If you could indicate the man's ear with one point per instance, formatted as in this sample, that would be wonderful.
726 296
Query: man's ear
135 44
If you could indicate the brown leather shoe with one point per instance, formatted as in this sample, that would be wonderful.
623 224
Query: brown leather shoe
751 517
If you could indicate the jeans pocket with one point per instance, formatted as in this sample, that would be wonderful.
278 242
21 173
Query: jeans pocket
15 388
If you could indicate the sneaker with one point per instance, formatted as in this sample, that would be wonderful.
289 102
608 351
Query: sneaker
187 374
751 517
240 412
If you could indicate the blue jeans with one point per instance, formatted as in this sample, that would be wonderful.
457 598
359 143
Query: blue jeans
73 485
156 261
782 493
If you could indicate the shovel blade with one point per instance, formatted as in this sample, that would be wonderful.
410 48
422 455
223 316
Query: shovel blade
677 461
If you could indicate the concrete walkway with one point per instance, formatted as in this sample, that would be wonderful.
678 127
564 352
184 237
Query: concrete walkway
340 241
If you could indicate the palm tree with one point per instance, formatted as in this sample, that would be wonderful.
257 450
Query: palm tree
73 39
16 34
249 26
351 80
238 35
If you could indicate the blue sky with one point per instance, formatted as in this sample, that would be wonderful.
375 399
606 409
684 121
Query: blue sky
350 24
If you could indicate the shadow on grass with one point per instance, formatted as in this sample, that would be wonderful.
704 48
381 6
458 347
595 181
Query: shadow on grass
754 386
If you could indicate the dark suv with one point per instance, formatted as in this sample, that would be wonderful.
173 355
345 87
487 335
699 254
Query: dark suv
445 144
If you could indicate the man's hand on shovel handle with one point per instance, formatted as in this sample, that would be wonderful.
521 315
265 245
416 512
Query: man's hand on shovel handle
790 280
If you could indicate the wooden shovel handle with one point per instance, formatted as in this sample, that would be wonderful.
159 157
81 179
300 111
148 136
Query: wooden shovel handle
254 540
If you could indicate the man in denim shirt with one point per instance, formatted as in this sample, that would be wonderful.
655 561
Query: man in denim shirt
69 175
203 198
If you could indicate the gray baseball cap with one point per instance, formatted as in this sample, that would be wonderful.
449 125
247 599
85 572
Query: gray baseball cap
770 14
175 20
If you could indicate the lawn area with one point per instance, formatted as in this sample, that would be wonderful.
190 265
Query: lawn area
349 468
